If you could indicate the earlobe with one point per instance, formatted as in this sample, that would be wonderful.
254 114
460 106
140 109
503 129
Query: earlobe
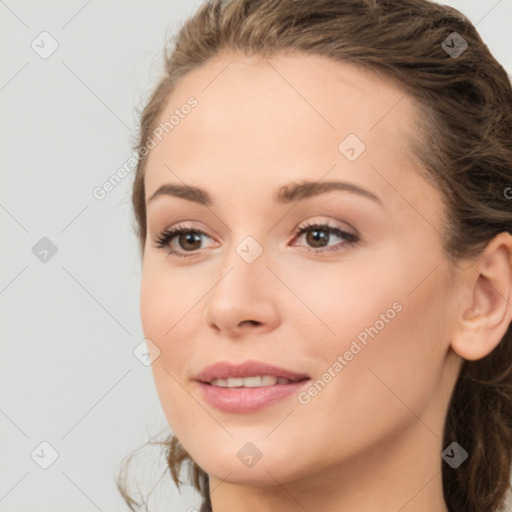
483 324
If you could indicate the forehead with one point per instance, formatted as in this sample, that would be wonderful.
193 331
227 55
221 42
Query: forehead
261 122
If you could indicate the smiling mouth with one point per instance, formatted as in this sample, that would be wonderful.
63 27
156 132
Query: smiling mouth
252 382
251 373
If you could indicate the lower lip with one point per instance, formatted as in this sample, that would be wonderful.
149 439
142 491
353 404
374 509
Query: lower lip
240 400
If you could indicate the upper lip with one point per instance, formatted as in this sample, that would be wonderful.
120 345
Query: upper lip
225 369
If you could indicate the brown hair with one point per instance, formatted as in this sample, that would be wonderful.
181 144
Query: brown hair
466 151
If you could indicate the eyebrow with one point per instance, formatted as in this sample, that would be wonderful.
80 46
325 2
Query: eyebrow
290 193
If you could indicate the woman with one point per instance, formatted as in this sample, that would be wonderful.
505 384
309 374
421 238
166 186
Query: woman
324 212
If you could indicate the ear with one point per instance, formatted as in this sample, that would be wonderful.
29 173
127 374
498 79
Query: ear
482 325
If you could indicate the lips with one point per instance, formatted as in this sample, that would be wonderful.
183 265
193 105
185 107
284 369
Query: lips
236 399
225 370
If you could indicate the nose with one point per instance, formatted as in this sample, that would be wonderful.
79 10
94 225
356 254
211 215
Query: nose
243 298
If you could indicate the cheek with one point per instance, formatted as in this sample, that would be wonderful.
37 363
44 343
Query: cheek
379 388
389 329
170 308
393 353
168 298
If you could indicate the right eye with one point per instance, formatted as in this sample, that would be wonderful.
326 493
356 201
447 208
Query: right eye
187 239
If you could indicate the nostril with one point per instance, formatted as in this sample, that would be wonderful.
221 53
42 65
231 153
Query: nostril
252 322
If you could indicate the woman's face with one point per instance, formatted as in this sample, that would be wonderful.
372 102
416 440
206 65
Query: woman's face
364 312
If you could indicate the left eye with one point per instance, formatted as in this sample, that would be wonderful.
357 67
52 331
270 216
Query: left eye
318 236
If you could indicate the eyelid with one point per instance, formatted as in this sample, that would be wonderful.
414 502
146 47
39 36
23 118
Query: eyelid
332 224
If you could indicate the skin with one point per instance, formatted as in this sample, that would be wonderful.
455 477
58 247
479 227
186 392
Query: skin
371 439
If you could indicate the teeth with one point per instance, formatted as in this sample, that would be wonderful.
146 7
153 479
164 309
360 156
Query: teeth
249 382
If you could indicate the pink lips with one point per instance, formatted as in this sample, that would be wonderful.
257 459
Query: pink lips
242 400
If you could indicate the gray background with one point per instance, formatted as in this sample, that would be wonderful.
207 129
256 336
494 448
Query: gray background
70 323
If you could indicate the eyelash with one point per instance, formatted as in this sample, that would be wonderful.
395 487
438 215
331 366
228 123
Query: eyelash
164 239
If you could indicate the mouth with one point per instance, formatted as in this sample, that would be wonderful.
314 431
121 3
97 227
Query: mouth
248 374
248 387
252 382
